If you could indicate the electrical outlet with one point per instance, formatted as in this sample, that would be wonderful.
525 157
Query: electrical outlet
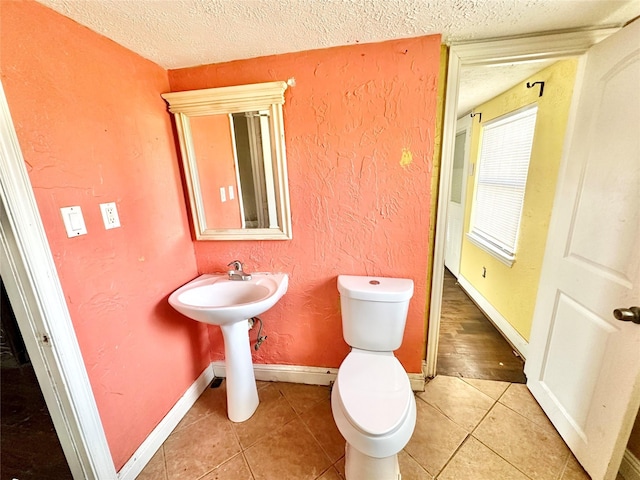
110 215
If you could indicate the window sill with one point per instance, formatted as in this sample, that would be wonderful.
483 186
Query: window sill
491 249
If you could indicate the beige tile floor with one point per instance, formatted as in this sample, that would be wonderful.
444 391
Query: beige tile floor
466 429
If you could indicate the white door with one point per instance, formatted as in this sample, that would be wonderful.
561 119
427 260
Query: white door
455 211
584 365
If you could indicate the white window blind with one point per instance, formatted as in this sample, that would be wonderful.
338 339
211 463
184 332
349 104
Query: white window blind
503 166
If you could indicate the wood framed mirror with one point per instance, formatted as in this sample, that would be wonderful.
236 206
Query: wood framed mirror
234 157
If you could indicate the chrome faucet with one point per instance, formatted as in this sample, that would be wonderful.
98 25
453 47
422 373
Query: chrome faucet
238 273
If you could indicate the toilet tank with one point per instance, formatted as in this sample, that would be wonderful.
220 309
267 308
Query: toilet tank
374 311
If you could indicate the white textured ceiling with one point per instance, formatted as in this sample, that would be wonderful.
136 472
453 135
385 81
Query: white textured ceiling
184 33
481 83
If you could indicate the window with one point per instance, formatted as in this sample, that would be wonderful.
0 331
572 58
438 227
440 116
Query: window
503 164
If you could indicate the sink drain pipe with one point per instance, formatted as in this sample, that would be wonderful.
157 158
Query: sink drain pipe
261 338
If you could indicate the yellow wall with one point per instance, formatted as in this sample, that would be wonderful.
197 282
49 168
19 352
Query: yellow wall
512 290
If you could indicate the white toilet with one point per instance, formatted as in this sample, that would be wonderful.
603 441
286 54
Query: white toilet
372 402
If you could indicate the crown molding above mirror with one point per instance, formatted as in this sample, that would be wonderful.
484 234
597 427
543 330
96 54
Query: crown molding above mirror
234 157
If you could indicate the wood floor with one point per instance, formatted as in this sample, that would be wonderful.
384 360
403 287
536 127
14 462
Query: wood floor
29 445
469 344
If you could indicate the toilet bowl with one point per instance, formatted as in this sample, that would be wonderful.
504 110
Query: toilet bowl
372 402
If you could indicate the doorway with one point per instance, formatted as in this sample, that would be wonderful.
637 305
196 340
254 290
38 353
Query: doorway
597 57
478 307
497 52
30 445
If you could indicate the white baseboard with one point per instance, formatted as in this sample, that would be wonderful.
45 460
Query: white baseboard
307 375
285 373
156 438
418 381
513 337
630 466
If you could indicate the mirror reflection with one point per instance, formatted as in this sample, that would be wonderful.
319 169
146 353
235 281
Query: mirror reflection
233 153
232 145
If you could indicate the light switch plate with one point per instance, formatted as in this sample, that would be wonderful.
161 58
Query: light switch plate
110 215
73 221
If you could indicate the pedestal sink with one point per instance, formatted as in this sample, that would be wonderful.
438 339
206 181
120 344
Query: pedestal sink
216 300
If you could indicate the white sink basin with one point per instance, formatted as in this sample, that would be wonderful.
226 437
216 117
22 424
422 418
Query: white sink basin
216 300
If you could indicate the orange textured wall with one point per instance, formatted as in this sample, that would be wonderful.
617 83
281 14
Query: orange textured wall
359 129
93 128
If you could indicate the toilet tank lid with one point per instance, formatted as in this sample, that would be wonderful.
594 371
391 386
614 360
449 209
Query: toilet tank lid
375 289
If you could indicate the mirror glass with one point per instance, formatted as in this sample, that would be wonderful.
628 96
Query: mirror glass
232 146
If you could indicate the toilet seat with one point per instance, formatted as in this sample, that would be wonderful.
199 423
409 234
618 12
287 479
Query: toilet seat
374 392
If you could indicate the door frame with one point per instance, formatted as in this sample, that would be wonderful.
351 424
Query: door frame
489 52
35 292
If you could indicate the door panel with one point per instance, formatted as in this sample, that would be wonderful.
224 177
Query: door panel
599 223
583 365
455 210
573 323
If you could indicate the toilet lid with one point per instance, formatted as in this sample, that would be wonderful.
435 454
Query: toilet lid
375 391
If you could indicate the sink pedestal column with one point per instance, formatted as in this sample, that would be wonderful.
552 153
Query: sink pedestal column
242 393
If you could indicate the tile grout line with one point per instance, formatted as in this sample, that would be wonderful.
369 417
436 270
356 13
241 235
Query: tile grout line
299 415
491 449
242 450
326 454
455 452
564 467
415 460
206 413
224 463
535 424
435 407
469 434
495 402
226 460
487 446
500 456
248 465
